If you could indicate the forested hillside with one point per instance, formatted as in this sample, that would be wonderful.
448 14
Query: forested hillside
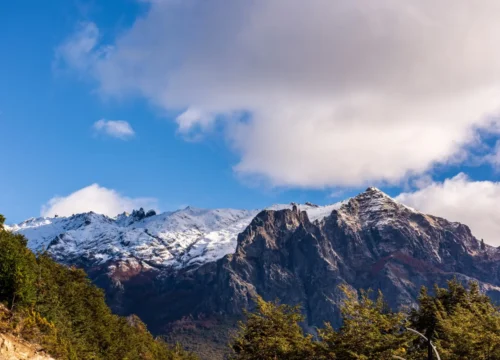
59 309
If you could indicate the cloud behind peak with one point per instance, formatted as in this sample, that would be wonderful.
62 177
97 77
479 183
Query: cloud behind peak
97 199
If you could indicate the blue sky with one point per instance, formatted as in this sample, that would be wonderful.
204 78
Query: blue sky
49 147
231 106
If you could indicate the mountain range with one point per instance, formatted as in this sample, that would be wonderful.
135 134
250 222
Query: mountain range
189 274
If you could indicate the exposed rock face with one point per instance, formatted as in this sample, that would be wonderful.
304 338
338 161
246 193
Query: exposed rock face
12 348
15 348
170 241
134 249
370 242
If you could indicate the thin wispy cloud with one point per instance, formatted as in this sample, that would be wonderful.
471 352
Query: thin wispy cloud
80 49
336 194
115 128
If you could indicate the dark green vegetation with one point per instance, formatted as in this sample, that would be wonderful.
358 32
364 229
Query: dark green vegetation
58 308
462 323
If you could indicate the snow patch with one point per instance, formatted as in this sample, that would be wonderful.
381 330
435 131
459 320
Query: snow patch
187 237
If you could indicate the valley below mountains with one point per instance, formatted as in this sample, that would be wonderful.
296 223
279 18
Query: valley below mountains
190 274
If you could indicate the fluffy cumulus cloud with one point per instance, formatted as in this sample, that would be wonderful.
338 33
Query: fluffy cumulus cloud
115 128
475 203
334 93
97 199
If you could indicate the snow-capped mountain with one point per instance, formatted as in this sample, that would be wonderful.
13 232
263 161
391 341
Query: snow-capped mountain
205 266
172 240
369 242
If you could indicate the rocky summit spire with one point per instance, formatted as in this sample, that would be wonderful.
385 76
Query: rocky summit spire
373 189
373 207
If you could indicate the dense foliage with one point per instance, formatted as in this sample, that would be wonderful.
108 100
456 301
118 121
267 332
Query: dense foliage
273 332
461 322
369 330
58 308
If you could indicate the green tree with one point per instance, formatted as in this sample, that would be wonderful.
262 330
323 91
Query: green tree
425 318
272 332
17 271
462 322
471 332
370 331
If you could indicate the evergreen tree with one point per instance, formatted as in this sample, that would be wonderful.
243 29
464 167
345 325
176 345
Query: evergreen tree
463 323
17 271
370 331
272 332
471 332
425 319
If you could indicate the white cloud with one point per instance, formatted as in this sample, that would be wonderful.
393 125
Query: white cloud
97 199
474 203
116 128
340 93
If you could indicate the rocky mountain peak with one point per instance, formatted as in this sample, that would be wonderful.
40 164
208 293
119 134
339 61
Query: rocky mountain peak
372 208
126 219
373 193
373 189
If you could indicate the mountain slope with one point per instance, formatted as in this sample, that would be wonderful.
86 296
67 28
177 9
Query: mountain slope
369 242
58 308
299 254
170 241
